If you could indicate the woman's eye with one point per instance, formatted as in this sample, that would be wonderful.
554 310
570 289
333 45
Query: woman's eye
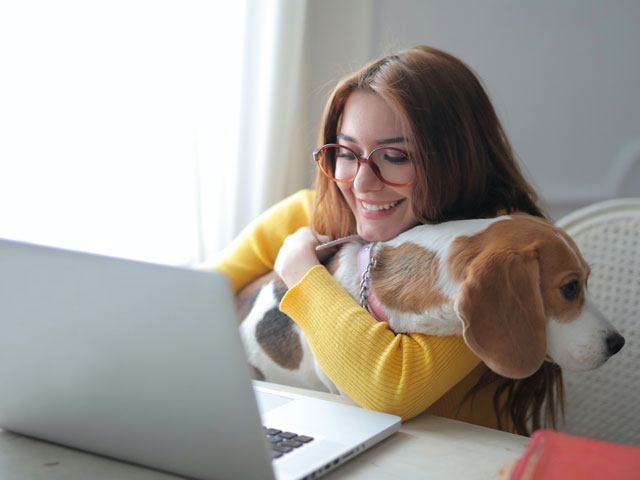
571 290
396 158
346 156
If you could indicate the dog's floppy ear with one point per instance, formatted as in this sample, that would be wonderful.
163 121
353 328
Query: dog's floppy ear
500 305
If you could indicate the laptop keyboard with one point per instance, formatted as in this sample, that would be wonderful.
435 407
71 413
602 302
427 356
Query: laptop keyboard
284 442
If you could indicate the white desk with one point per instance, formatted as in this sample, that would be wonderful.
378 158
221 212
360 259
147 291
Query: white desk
425 447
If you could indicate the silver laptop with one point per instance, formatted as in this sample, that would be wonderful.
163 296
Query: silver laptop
143 363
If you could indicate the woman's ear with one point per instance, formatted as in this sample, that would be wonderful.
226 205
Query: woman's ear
500 305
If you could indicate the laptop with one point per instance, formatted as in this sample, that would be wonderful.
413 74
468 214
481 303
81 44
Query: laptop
143 363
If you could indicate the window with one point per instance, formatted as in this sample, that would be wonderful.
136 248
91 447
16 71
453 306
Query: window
108 111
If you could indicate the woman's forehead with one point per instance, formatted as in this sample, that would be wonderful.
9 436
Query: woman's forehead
368 118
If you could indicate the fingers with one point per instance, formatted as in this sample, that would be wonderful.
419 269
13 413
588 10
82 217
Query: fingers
301 251
296 256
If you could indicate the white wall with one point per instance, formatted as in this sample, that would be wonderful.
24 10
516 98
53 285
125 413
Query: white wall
564 76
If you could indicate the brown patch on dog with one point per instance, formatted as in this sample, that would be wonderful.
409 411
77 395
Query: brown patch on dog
462 252
277 336
405 278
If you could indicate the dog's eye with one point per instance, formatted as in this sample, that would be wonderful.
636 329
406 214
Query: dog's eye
571 290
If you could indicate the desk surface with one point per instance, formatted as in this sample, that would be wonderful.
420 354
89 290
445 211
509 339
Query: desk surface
425 447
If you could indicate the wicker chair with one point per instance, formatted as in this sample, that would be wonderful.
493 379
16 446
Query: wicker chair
605 403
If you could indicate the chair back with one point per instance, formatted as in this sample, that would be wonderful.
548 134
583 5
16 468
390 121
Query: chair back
605 403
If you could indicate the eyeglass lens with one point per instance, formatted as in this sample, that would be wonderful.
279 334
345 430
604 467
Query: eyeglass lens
392 164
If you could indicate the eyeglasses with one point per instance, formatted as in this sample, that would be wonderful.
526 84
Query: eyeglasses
391 165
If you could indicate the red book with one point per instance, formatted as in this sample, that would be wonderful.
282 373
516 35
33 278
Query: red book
553 455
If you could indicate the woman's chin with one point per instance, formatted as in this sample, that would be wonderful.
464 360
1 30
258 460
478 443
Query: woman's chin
379 234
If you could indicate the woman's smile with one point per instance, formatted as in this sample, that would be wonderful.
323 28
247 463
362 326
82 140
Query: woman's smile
378 209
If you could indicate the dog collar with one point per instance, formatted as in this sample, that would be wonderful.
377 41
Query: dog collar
368 300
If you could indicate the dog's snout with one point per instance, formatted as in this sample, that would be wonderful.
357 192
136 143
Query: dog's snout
615 342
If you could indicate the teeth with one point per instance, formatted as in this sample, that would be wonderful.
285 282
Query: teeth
375 208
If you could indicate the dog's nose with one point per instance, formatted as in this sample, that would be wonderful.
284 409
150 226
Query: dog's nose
615 342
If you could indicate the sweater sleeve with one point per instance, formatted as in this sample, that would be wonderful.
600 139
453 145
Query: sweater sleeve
253 253
402 374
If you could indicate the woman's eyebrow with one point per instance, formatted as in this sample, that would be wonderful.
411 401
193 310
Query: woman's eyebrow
342 136
392 140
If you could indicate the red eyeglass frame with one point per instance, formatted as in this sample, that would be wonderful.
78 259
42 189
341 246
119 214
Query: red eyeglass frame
361 160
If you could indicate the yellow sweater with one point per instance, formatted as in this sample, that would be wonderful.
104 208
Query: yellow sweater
404 374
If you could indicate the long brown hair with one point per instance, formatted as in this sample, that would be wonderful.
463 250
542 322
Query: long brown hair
465 168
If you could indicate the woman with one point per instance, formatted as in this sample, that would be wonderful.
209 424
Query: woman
411 138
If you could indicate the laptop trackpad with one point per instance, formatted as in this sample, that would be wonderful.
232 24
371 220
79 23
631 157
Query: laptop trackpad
269 401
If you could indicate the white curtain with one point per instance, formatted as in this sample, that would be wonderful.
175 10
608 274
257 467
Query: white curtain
106 108
148 129
272 161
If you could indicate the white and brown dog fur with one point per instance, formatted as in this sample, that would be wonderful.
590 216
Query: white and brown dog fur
515 288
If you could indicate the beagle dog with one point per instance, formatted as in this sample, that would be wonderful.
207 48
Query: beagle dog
514 287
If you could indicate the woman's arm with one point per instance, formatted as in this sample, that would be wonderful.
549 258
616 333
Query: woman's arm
400 374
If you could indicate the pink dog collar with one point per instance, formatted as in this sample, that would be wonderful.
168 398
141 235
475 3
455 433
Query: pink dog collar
369 299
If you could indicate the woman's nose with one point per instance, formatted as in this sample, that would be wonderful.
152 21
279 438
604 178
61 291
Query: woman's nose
366 180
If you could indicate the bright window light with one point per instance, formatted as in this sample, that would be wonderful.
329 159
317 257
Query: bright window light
103 108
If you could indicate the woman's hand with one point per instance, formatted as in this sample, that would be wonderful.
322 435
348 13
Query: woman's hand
298 254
